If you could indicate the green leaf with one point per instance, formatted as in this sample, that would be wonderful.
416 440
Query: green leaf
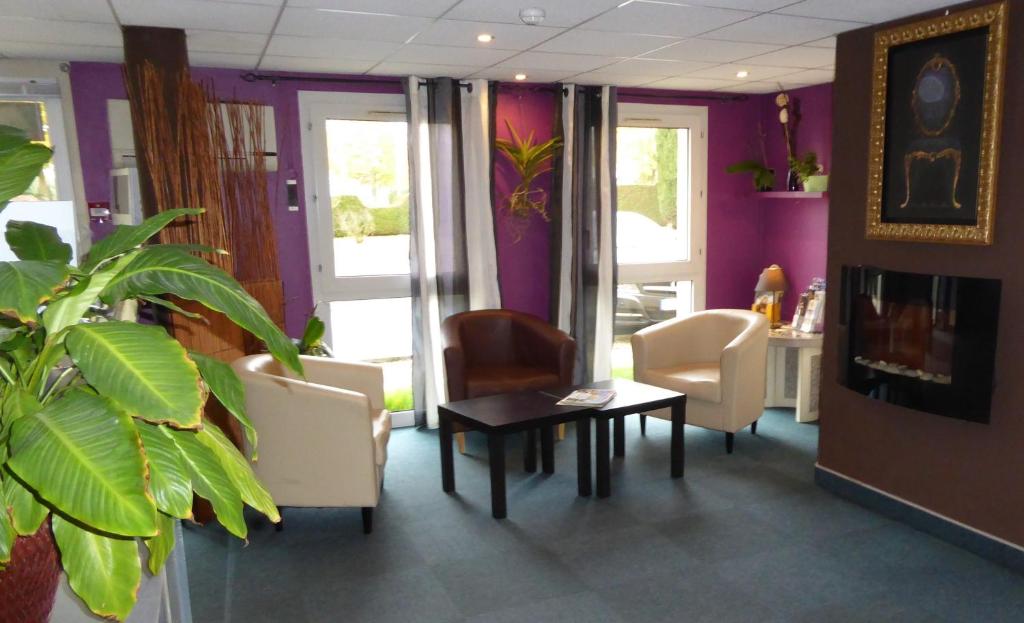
140 367
19 167
169 481
82 455
157 271
25 285
238 470
103 571
70 309
35 241
161 545
210 480
156 300
315 329
124 238
228 388
27 514
7 536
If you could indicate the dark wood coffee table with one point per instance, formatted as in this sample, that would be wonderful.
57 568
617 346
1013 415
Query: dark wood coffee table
502 414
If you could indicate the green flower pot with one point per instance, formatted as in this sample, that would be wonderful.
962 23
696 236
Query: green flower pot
816 184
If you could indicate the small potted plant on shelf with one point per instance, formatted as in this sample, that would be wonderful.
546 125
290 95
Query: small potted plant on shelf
763 177
809 172
103 441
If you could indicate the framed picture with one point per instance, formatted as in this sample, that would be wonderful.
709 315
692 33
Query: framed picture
935 127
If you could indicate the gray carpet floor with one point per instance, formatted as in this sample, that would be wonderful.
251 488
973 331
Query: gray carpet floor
743 537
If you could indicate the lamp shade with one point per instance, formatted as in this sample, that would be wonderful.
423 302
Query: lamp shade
772 279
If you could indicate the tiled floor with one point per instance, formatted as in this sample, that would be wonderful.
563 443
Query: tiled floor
743 537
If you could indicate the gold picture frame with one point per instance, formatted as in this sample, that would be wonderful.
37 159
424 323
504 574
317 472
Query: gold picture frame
884 222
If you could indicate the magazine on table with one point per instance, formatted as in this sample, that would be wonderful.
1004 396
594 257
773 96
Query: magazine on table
588 398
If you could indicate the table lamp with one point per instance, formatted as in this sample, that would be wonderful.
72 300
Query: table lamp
773 280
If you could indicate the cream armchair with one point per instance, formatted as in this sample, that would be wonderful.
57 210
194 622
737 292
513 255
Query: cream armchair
717 358
322 441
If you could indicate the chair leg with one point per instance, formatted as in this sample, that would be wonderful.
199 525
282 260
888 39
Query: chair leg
753 427
279 526
728 443
367 519
561 432
460 438
643 425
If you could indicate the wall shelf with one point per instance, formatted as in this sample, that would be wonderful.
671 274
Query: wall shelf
791 194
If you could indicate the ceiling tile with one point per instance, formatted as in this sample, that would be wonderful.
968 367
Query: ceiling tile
782 29
73 10
811 76
557 62
688 83
222 59
655 67
622 80
330 47
872 11
758 6
506 36
415 8
59 33
827 42
314 65
227 16
561 13
796 56
754 87
448 55
423 70
754 73
659 18
218 41
313 23
712 51
606 43
62 52
508 75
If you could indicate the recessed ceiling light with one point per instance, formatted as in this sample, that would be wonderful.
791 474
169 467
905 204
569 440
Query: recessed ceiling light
485 37
520 77
743 73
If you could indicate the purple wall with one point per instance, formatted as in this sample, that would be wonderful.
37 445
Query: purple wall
794 232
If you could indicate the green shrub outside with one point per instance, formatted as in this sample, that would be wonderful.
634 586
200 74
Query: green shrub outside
353 219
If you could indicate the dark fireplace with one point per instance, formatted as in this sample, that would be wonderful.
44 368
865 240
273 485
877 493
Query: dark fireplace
926 342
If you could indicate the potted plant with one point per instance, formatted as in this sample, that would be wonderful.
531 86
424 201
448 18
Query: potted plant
102 435
809 172
529 159
763 177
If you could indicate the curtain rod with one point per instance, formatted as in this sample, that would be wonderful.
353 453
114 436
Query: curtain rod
275 78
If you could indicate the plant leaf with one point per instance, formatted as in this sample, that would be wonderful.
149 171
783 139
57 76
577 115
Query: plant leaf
314 332
126 237
161 545
157 271
27 514
228 389
19 167
209 480
144 370
25 285
238 470
169 481
7 536
82 455
156 300
70 309
103 571
35 241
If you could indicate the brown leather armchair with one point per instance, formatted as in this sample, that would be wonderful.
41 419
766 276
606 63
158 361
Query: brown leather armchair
496 351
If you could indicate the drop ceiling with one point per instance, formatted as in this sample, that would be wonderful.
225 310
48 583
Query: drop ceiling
696 44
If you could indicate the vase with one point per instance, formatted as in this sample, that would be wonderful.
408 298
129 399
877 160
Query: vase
28 584
792 181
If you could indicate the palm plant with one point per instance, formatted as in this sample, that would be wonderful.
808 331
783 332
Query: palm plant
101 420
530 159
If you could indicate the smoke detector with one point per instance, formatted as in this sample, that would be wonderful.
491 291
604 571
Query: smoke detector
532 16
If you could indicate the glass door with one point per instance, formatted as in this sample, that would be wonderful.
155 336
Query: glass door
355 147
660 231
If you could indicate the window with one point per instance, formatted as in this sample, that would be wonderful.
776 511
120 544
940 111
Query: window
34 116
660 233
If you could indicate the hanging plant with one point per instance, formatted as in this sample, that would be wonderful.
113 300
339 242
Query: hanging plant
530 159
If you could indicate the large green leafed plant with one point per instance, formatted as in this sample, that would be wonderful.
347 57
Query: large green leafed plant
101 420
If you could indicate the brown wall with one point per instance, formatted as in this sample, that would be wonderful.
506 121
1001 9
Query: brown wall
972 473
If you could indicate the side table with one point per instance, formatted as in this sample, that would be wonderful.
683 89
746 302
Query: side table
794 372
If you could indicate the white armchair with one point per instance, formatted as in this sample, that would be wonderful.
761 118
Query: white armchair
322 441
717 358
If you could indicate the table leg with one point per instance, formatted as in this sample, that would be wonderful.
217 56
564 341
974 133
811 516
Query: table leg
496 456
447 465
678 447
530 451
603 458
547 449
583 456
619 432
